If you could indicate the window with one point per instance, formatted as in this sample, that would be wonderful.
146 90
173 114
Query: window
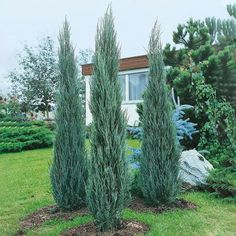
137 83
133 86
123 86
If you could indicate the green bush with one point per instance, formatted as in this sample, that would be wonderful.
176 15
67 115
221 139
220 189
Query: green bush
12 123
19 136
222 180
14 119
51 125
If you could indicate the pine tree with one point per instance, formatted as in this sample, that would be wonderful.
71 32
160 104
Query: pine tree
160 154
69 168
108 183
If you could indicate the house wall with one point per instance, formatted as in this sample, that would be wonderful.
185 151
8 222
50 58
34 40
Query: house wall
129 106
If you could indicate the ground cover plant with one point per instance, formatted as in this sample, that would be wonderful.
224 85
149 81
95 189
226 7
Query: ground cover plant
24 177
18 136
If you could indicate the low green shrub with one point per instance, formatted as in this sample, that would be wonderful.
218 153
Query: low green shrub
14 119
18 136
223 183
51 125
222 180
11 123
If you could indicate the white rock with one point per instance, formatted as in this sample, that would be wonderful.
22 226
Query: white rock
194 168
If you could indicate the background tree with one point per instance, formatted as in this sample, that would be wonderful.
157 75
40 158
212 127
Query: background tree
223 32
69 167
13 107
231 8
84 57
3 108
159 164
35 80
211 46
108 179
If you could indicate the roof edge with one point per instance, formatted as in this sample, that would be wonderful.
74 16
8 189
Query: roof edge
128 63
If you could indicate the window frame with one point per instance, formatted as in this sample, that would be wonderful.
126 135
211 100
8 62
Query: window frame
126 74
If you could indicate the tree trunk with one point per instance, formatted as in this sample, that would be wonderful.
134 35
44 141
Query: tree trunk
47 110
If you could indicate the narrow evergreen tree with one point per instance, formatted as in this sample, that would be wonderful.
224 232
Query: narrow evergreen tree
69 168
160 162
108 183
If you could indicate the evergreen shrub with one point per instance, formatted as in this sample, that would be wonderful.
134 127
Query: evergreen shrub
108 185
159 165
19 136
69 167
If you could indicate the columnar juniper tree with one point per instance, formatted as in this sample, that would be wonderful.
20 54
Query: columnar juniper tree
108 179
69 169
160 163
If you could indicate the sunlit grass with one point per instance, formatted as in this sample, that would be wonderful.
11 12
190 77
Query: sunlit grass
25 187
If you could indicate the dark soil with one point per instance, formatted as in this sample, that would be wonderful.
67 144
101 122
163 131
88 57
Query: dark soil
139 205
128 228
38 217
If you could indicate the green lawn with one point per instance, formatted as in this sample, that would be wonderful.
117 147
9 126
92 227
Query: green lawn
25 187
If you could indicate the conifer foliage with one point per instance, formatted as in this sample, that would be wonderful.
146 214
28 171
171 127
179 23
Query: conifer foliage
108 183
160 163
69 168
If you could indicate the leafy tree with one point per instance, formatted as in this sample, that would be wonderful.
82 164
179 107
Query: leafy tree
3 109
218 136
108 185
69 167
13 107
160 163
35 80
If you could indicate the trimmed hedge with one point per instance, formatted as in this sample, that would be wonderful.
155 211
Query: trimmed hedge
18 136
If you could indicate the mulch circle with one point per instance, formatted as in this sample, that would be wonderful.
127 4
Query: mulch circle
38 217
128 228
139 205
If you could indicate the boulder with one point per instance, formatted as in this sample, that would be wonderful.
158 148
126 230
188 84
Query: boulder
194 168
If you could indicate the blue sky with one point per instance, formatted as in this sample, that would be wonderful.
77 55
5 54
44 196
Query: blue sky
26 21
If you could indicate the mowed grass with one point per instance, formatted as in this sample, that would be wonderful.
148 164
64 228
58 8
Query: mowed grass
25 187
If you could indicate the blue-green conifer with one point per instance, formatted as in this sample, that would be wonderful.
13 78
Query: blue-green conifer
108 183
160 162
69 167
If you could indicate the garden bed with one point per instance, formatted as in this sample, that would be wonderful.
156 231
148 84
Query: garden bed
139 205
128 228
37 218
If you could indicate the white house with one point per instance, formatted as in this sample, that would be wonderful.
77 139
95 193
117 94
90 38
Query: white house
133 74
